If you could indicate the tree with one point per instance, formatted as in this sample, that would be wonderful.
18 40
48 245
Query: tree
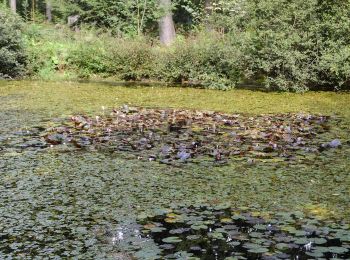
48 11
127 17
12 52
166 24
13 5
208 6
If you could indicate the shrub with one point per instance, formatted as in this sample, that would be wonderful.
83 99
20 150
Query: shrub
207 60
287 45
290 45
107 56
12 52
47 49
211 62
132 59
88 57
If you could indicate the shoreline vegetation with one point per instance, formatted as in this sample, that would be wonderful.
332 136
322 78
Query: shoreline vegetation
300 47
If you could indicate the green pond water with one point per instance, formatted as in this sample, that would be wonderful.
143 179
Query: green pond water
91 204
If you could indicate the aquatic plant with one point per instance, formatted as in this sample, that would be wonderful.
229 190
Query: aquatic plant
171 136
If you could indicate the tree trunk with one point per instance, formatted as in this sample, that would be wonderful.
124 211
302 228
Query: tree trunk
166 24
48 11
33 10
13 5
208 7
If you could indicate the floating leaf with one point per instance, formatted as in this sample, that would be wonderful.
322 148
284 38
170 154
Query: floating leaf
171 240
216 235
260 250
198 227
337 250
315 254
226 220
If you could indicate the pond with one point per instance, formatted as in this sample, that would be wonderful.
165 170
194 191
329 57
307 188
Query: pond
79 180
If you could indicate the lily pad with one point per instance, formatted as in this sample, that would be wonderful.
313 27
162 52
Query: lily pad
260 250
337 250
171 240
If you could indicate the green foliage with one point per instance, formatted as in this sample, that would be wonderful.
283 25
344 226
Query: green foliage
47 49
12 54
205 61
132 60
210 61
107 56
128 17
287 45
136 17
292 45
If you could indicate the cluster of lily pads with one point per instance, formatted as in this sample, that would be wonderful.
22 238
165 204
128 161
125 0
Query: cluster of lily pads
210 233
172 136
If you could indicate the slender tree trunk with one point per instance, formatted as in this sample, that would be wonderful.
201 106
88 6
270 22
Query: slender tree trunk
166 24
48 11
208 11
13 5
33 10
208 7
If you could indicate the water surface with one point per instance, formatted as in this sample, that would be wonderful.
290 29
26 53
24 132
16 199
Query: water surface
61 202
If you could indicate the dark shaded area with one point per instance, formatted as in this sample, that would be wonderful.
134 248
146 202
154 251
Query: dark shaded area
220 233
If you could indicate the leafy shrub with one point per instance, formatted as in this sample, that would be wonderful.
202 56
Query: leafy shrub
206 61
107 56
290 45
12 53
47 49
210 61
88 58
295 45
131 59
287 45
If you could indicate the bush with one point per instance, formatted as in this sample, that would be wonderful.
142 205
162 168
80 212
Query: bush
297 45
132 59
106 56
211 62
12 52
291 45
207 60
47 49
